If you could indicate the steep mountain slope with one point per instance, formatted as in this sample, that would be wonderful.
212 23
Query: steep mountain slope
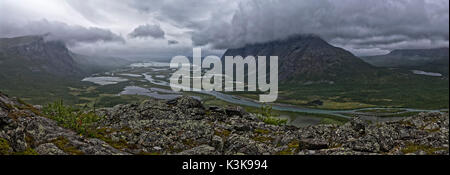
34 55
36 69
436 60
308 58
440 66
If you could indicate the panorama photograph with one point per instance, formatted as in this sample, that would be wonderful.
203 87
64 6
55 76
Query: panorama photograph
224 78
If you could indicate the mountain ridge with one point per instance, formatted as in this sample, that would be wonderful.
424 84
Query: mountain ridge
43 71
434 60
312 70
38 56
53 57
306 58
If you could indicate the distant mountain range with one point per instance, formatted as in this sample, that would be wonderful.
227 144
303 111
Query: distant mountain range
310 70
31 65
306 58
313 72
434 60
34 55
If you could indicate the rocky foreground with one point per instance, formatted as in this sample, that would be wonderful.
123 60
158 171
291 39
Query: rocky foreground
184 126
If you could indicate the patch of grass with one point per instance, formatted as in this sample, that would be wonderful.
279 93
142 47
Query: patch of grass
263 139
383 110
102 132
328 121
292 148
149 153
189 142
222 133
386 88
26 106
4 147
267 116
404 114
28 152
8 106
412 148
274 121
261 131
30 140
63 144
78 120
343 105
433 130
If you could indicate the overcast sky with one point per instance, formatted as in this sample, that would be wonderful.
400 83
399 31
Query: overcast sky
165 28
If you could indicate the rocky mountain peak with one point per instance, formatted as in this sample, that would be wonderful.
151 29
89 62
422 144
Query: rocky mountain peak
39 55
306 58
20 41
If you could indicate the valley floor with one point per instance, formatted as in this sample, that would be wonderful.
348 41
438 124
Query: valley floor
307 105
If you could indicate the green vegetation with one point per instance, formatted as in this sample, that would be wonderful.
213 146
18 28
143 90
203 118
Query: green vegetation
263 139
69 117
28 151
328 104
413 148
83 122
383 88
429 60
149 153
43 90
292 147
4 147
327 121
118 144
267 116
63 144
386 88
404 114
222 133
262 131
383 110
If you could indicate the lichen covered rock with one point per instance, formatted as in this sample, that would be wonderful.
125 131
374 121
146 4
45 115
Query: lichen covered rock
184 126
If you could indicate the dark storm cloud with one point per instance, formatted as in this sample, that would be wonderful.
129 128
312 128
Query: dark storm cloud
172 42
352 23
186 13
147 30
70 34
363 27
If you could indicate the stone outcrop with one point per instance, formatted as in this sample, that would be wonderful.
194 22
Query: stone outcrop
24 131
184 126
